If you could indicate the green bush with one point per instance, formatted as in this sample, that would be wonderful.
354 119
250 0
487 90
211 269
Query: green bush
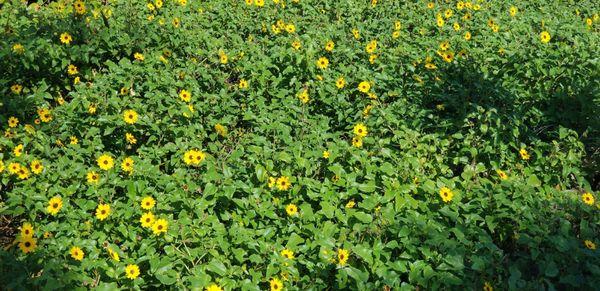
299 144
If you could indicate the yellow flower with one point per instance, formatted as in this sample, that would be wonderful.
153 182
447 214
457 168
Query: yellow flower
66 38
290 28
113 255
18 150
296 45
13 122
127 165
524 154
291 209
343 256
72 70
303 96
243 84
357 142
545 37
102 211
440 21
45 114
223 57
105 162
93 177
502 174
276 284
322 63
275 29
176 22
259 3
36 167
283 183
326 154
360 130
289 254
27 244
147 219
77 253
148 202
488 287
448 56
23 173
430 5
220 129
139 56
193 157
350 204
27 230
16 88
371 47
364 87
448 13
467 35
185 95
73 140
130 138
1 166
446 194
130 116
367 110
14 168
372 59
18 48
132 271
79 7
329 46
160 226
340 82
588 198
513 11
430 66
589 244
54 205
272 181
213 287
456 26
355 33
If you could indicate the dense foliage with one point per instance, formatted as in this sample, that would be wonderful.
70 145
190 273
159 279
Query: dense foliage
273 144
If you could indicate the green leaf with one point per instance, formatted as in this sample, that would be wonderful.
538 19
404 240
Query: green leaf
363 217
217 267
533 181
